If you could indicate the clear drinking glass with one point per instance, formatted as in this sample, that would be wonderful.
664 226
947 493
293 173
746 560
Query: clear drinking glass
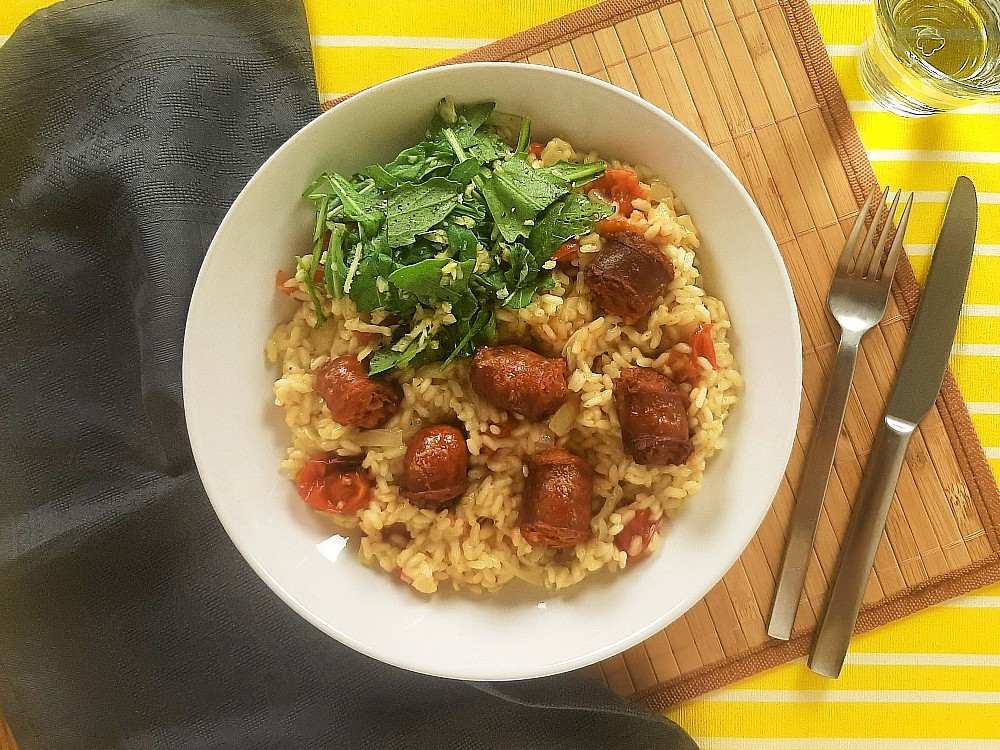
927 57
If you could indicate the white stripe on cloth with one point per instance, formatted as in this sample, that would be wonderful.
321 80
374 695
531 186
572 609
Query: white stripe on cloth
403 42
924 660
325 96
970 157
983 407
3 39
976 109
988 311
841 743
992 453
928 249
974 602
741 695
941 196
844 50
976 350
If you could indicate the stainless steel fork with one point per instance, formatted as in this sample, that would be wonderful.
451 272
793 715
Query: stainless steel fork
858 298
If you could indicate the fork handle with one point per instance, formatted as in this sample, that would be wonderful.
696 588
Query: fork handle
812 488
857 554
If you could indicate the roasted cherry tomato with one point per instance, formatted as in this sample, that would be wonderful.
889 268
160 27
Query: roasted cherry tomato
621 186
279 282
335 484
641 528
702 344
535 149
615 224
566 252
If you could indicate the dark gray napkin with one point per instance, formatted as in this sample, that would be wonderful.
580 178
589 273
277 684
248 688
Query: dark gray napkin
127 619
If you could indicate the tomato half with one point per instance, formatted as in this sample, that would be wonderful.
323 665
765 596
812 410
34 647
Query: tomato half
614 225
702 344
335 485
566 252
621 186
641 527
280 277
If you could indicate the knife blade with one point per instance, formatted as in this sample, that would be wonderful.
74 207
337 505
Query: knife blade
921 373
929 343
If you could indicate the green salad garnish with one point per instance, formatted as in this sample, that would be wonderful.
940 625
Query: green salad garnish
446 232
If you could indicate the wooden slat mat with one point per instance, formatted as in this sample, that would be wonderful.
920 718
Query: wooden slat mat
753 80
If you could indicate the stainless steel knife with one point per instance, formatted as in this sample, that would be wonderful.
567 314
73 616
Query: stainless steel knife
918 382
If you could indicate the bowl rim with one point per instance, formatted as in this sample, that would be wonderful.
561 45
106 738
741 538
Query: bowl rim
203 454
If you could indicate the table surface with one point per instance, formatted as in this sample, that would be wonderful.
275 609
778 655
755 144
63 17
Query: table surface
931 681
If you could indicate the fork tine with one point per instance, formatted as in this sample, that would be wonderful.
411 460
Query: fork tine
852 240
889 268
866 249
880 248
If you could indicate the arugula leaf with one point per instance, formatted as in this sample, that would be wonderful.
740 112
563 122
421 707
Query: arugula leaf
472 210
573 215
519 183
523 296
464 120
419 250
416 163
357 206
416 208
524 136
334 269
387 359
462 243
488 147
578 175
484 319
304 265
464 171
384 180
425 282
369 289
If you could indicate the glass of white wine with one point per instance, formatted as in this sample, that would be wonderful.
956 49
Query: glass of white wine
927 57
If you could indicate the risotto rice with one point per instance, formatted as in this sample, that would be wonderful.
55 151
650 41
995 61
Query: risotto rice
477 546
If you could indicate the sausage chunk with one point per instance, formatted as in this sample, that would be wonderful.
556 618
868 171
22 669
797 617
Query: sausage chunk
435 468
653 417
557 499
517 379
352 396
628 276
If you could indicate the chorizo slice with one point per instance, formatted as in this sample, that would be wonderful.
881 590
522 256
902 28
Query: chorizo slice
435 467
653 417
558 499
628 276
353 397
519 380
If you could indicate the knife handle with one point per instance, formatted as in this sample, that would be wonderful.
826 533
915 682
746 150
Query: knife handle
857 555
812 488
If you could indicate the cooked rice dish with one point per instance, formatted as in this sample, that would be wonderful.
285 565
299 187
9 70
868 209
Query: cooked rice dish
476 542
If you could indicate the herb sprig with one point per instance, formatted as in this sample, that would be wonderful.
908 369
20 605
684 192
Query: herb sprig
444 234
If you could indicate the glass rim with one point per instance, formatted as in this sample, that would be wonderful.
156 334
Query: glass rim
885 17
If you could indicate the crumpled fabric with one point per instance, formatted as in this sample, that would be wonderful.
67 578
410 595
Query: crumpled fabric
127 617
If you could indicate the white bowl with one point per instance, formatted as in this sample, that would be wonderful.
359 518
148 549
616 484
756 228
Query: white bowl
239 437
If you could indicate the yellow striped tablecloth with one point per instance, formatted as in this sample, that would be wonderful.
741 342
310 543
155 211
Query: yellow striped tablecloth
932 681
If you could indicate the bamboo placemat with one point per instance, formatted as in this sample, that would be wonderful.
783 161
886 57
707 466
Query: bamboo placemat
753 80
